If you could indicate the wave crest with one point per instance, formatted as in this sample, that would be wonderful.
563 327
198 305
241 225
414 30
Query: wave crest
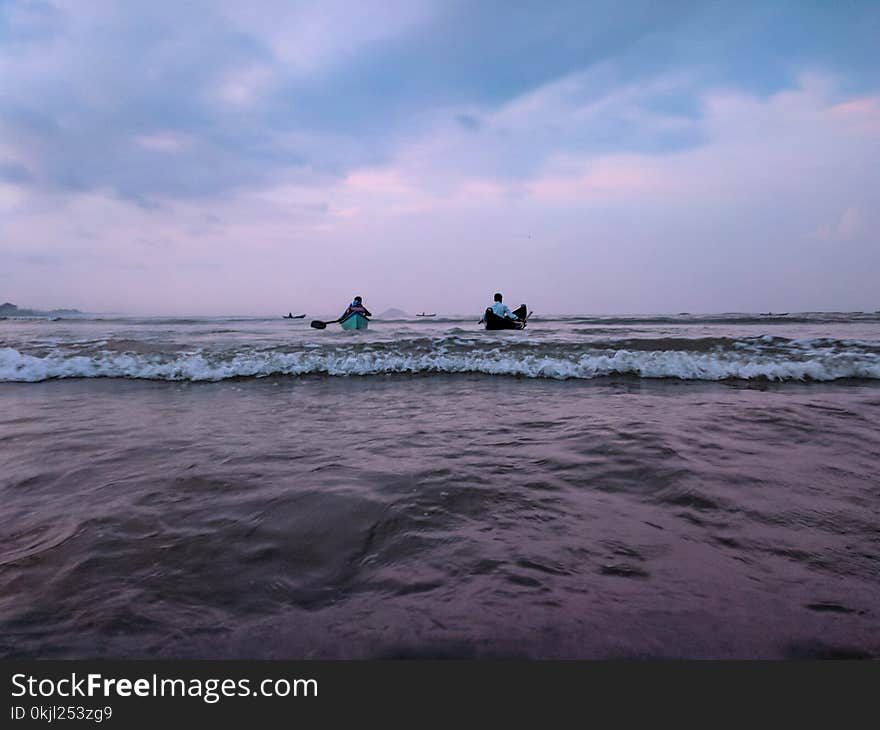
797 364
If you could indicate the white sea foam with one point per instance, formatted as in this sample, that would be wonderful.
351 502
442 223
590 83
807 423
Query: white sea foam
197 366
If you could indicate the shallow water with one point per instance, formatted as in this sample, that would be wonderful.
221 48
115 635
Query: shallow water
438 515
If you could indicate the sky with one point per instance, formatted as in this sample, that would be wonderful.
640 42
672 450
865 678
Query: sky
220 157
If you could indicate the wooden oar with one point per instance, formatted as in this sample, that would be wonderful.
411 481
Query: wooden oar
319 325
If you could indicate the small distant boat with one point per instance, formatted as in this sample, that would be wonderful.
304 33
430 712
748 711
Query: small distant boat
774 314
422 314
291 315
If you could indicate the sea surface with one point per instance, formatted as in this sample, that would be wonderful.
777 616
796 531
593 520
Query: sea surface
680 486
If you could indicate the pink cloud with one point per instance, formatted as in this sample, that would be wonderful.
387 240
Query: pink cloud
618 176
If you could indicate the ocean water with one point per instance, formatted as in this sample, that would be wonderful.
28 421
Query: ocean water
819 347
591 487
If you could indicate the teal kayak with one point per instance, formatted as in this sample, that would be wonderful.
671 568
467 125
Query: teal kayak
355 321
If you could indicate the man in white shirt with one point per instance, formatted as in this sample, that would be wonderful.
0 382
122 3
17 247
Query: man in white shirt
500 309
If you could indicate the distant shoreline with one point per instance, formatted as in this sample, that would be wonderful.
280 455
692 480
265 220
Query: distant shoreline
9 310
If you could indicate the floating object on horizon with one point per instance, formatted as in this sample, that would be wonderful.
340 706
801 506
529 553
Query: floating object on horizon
422 314
291 315
494 322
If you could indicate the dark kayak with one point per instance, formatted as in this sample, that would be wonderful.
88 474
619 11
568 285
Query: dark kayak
293 316
494 322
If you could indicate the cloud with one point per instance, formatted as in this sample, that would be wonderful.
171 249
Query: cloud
312 37
164 141
13 172
246 86
276 90
732 217
639 157
469 121
849 225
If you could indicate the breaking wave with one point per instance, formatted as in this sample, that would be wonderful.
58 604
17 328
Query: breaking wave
716 359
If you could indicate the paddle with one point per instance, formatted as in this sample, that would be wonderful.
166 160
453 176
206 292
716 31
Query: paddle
319 325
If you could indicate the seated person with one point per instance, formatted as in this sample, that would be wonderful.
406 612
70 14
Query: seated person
500 309
356 307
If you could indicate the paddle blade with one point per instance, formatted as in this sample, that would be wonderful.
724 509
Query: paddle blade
318 324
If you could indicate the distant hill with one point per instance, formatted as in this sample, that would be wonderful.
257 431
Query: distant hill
8 309
393 313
